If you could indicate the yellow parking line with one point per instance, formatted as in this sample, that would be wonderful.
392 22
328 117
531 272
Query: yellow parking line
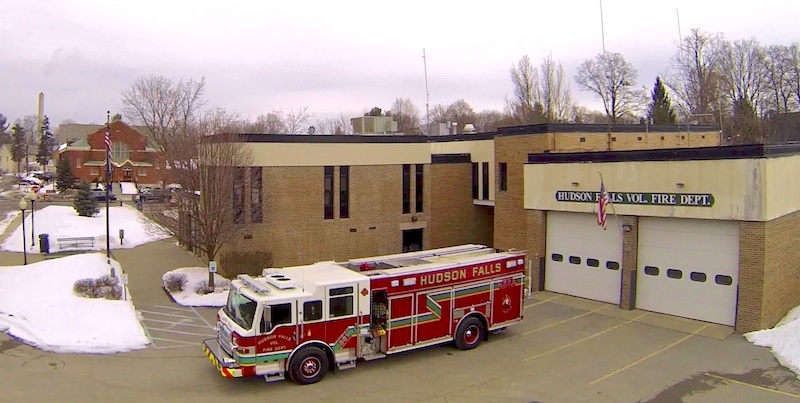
583 339
562 321
780 392
540 302
651 355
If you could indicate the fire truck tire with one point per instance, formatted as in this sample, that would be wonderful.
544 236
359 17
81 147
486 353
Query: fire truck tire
308 366
470 333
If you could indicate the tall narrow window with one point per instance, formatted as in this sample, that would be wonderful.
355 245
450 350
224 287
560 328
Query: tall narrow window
503 176
419 187
485 175
328 190
474 180
344 192
238 195
256 208
406 188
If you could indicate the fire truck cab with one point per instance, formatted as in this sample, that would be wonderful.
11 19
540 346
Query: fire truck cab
300 322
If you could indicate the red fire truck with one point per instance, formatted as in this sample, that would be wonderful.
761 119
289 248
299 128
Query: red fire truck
299 322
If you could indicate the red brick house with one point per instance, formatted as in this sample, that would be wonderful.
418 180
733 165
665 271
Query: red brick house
133 158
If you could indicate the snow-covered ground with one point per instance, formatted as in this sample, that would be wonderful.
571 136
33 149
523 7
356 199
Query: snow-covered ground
10 216
38 306
194 277
128 188
64 222
783 339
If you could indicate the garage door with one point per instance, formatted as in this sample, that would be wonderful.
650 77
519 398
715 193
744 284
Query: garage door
688 268
583 259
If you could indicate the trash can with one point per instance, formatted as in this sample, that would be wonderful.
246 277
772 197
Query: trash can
44 243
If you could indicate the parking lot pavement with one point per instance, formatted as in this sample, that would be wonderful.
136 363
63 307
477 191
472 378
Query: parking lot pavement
174 326
566 350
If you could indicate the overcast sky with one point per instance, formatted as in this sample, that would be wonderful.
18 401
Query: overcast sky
345 56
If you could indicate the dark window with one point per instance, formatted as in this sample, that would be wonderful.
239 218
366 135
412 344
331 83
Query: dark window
280 314
327 185
613 139
592 262
574 260
723 280
683 137
651 271
238 195
340 306
419 187
639 138
612 265
340 291
697 276
703 136
557 257
256 206
312 310
662 138
485 176
674 273
583 139
344 192
474 180
503 176
406 188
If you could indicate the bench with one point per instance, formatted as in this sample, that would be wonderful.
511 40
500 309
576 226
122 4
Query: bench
82 242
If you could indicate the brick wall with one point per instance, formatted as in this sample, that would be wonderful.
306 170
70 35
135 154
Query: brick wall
455 219
630 261
294 229
752 257
781 272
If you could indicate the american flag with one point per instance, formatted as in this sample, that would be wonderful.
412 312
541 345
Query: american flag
602 205
108 149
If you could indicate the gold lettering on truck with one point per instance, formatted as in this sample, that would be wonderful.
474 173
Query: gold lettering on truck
436 278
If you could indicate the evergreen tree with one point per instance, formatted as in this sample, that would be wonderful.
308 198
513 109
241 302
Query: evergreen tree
660 111
64 176
19 146
46 143
744 127
85 203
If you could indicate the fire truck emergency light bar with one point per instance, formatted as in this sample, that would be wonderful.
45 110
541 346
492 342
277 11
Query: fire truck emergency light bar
253 283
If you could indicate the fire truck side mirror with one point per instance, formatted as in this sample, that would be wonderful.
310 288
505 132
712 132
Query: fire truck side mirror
266 320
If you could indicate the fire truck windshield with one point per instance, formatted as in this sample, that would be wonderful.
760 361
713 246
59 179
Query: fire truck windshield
241 309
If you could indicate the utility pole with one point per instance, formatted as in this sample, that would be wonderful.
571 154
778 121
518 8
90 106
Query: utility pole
427 96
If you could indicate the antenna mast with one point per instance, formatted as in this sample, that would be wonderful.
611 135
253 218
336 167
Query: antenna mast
427 96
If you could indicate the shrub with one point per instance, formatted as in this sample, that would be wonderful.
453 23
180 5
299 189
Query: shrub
174 282
104 287
244 262
202 288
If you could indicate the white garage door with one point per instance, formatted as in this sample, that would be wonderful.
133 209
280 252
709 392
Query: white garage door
688 268
583 259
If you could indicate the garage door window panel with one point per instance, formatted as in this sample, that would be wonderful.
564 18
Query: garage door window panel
592 262
723 280
697 276
574 260
557 257
674 273
651 270
612 265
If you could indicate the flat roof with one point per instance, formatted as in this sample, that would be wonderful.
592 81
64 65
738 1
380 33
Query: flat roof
746 151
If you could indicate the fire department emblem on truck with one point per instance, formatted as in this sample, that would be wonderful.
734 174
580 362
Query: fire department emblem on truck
300 322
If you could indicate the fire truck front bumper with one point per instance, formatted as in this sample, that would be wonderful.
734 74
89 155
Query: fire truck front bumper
226 365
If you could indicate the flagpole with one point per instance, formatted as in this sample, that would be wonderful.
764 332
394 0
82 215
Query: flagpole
613 210
108 189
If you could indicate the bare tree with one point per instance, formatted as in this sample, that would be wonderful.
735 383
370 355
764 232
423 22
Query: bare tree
613 80
742 71
208 161
794 71
525 106
584 115
167 108
220 120
406 114
693 75
31 125
296 121
270 123
490 120
556 98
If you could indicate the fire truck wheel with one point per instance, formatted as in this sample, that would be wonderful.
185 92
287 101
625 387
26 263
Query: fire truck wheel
469 334
308 366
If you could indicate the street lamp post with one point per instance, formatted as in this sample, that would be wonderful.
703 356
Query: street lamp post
33 213
23 205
